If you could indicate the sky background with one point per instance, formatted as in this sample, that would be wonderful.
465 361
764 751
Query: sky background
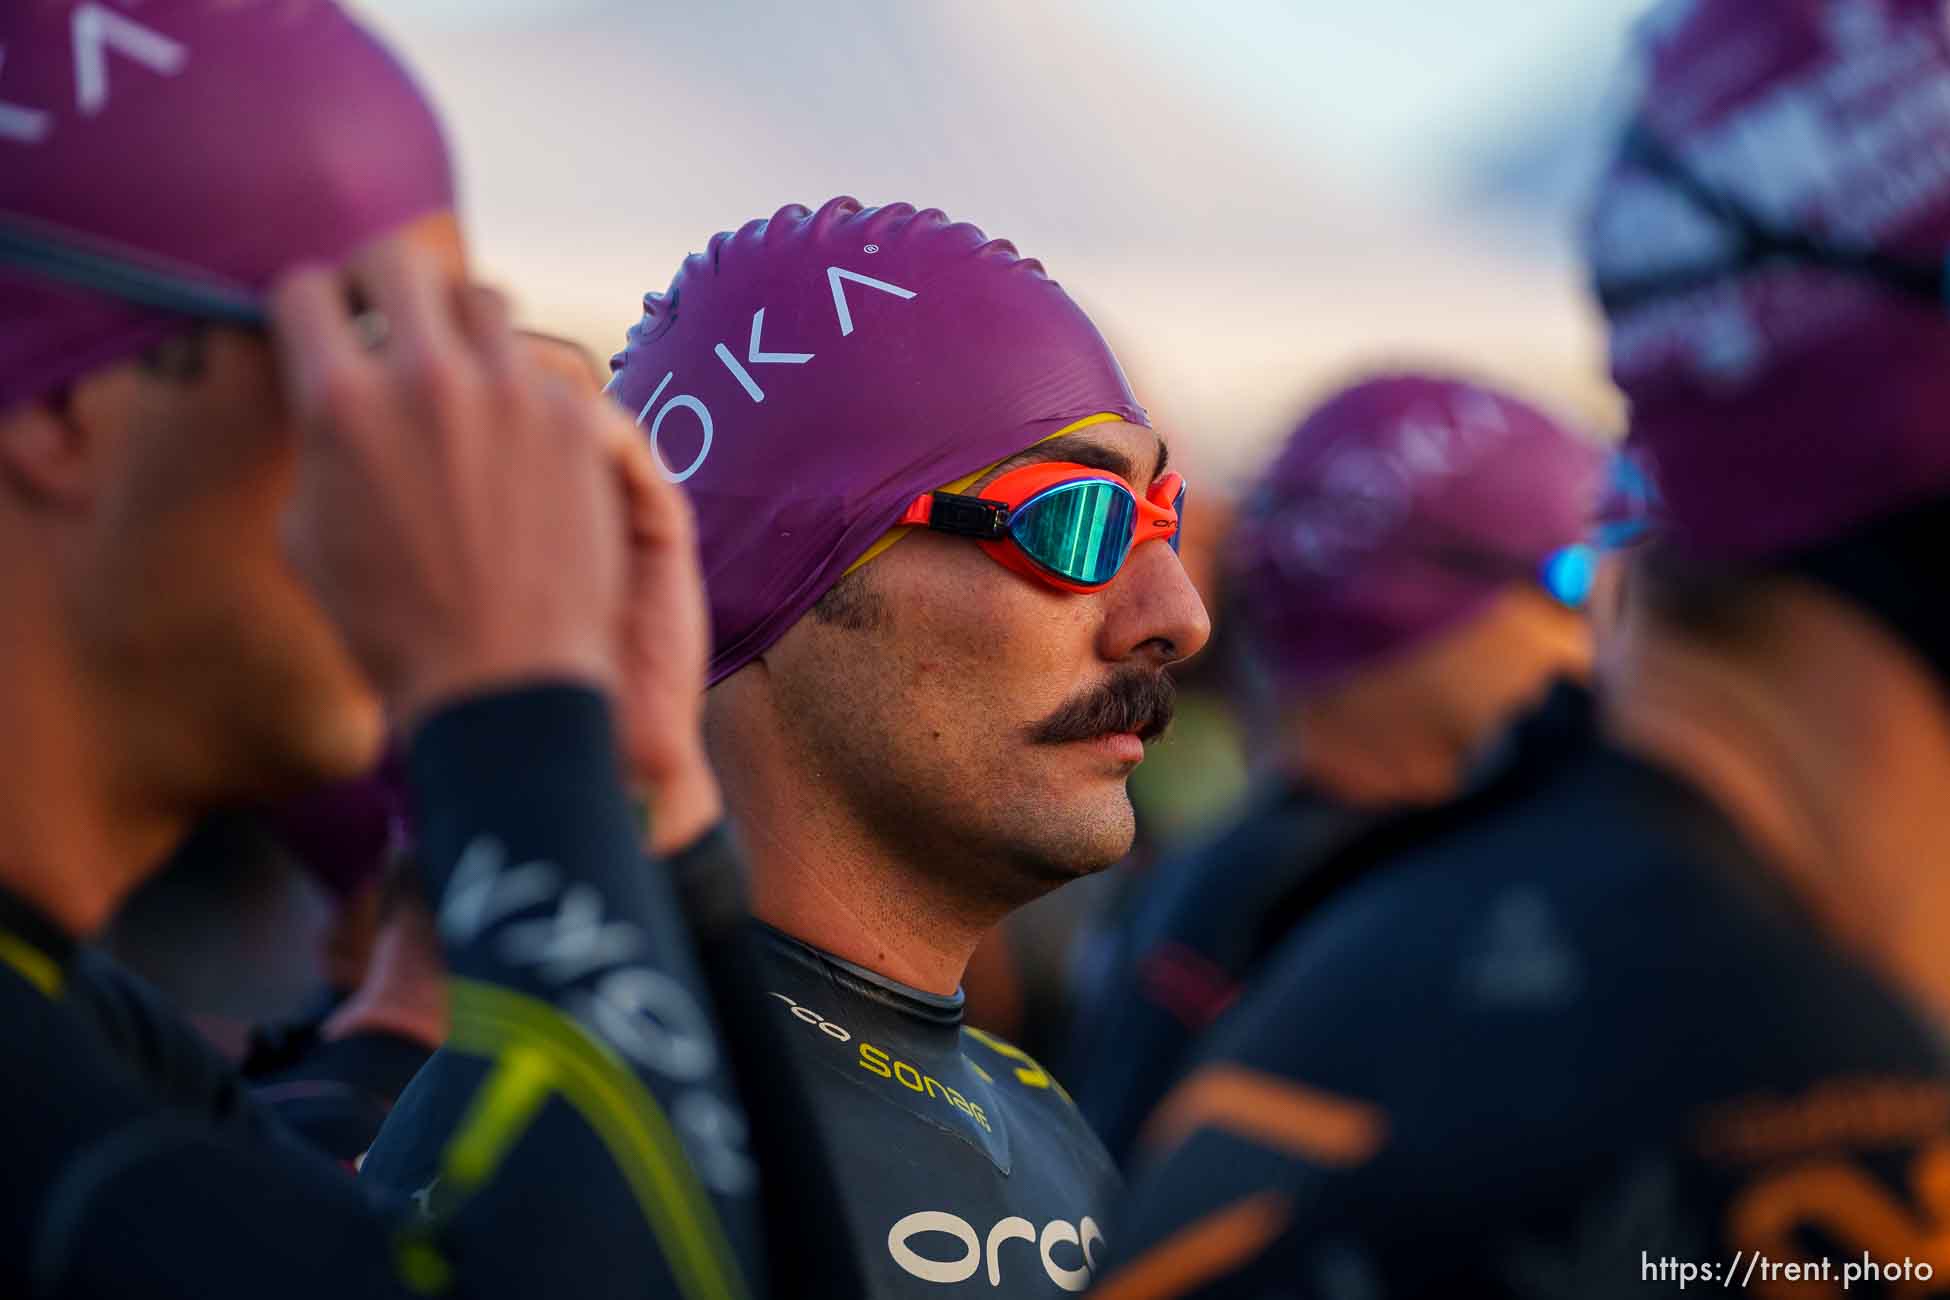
1255 200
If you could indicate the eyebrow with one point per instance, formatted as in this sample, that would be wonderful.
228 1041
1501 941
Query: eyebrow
1077 450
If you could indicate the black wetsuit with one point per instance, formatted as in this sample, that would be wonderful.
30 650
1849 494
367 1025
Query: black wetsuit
336 1092
1195 927
958 1164
1201 922
331 1094
137 1166
1575 1043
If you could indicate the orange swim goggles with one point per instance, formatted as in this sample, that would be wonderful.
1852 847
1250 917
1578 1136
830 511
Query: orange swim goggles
1064 524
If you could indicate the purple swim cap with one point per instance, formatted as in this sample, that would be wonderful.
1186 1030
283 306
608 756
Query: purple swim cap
1396 509
216 141
346 835
807 377
1780 403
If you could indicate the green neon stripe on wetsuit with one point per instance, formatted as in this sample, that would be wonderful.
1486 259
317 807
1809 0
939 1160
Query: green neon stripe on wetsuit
537 1050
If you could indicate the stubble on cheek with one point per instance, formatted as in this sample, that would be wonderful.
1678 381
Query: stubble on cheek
971 678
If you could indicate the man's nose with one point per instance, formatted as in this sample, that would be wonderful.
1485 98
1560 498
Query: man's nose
1155 612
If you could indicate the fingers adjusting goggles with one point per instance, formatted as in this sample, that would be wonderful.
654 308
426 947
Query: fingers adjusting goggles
1064 524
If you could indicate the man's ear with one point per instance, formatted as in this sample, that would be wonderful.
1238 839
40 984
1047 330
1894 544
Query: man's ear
41 454
52 450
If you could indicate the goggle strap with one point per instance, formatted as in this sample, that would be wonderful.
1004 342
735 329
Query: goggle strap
25 247
1760 241
962 516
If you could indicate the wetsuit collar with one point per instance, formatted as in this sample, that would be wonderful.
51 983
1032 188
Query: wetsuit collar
936 1008
32 946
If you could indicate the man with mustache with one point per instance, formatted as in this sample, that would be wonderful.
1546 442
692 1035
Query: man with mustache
936 533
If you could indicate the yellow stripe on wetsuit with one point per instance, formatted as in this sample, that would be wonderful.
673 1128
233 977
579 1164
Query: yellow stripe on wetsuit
538 1052
31 964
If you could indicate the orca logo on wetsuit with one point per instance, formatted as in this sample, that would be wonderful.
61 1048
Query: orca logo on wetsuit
1084 1237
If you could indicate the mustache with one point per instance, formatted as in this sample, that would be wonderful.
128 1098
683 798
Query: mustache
1134 699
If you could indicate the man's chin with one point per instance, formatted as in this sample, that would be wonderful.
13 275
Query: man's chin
351 742
325 748
1099 836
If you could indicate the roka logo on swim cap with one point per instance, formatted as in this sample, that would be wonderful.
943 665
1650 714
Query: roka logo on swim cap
755 355
808 375
95 31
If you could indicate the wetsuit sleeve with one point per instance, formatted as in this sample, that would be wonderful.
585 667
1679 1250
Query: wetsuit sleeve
802 1201
331 1092
1274 1166
337 1094
1226 1196
576 1167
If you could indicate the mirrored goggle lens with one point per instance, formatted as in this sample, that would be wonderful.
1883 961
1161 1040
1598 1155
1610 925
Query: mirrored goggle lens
1079 531
1570 573
1178 508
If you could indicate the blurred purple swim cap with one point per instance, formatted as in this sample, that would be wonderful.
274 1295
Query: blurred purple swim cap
1395 510
345 836
221 141
1780 404
808 376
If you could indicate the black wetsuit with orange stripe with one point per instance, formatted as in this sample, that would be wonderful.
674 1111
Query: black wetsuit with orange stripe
1199 922
591 1164
1578 1042
957 1165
